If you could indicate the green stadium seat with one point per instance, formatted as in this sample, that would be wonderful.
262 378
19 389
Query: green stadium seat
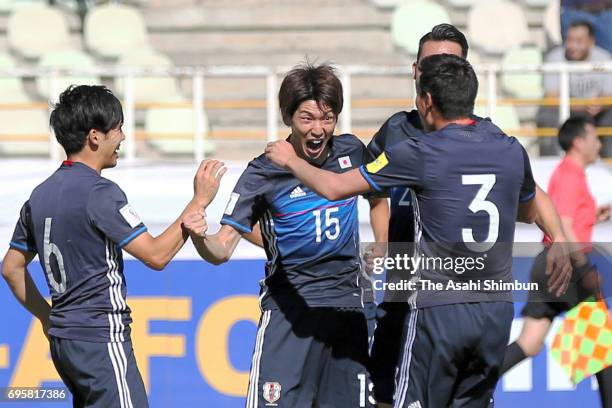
29 123
8 6
11 89
149 89
528 85
65 59
112 30
47 22
411 20
496 25
170 130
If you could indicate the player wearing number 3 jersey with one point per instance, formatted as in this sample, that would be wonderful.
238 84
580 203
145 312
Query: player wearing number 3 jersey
311 347
471 183
78 223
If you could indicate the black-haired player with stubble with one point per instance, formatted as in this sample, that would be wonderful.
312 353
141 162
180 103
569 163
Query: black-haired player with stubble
78 223
472 182
442 39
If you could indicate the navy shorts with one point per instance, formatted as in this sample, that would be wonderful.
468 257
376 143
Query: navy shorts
386 348
99 374
310 357
452 354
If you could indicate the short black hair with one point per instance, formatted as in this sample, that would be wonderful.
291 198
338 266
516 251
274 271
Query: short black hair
80 109
451 82
571 129
309 82
445 32
585 24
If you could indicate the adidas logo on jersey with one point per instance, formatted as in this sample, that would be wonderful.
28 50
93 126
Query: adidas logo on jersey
297 192
415 404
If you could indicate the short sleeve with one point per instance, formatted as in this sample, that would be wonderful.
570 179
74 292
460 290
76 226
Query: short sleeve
247 201
109 210
400 165
528 186
383 137
23 237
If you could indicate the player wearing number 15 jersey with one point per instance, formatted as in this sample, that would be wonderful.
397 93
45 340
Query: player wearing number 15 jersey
311 347
471 183
78 223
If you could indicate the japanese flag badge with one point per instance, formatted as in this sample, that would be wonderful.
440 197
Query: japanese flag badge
345 162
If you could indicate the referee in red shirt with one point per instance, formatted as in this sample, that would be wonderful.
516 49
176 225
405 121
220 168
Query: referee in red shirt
572 197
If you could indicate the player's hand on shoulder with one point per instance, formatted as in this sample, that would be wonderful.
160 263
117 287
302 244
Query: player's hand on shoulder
280 152
207 180
195 223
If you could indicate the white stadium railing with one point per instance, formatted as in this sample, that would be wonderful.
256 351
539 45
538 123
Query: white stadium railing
272 74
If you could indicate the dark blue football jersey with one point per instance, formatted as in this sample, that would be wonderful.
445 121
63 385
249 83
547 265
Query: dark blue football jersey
401 212
312 244
77 222
468 181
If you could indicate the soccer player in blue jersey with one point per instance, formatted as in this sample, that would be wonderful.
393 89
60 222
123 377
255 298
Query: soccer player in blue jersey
442 39
312 344
471 182
78 223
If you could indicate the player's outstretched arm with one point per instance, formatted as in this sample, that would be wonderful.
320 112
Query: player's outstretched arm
156 252
328 184
15 272
215 249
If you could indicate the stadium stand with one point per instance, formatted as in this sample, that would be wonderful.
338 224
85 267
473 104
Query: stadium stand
552 22
7 6
411 19
62 60
21 120
11 89
522 85
257 33
170 129
493 34
128 31
153 88
47 22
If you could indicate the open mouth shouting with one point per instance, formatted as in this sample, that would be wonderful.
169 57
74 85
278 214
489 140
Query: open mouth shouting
314 147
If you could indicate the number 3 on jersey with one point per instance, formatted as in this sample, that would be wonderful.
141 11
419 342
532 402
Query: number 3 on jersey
332 224
479 203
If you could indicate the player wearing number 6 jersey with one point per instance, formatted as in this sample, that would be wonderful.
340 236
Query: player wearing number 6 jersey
78 223
311 347
471 182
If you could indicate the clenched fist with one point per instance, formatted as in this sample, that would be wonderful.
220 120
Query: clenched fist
195 223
